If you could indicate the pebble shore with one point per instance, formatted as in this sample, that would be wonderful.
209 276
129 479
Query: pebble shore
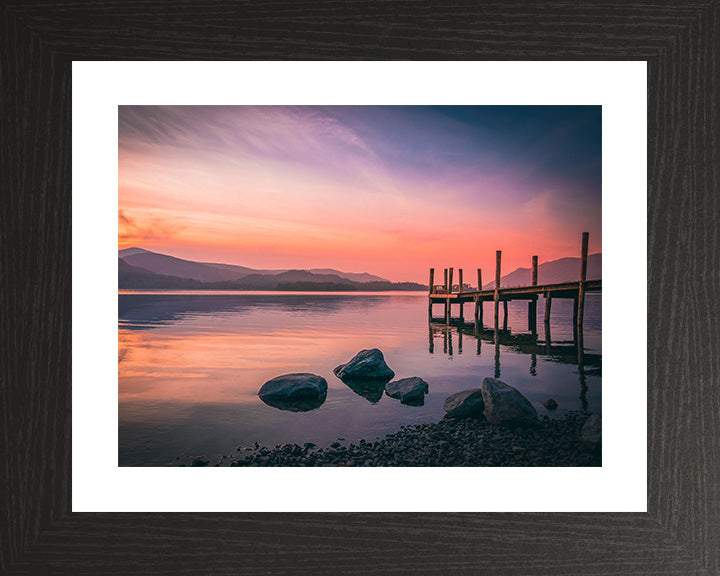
450 442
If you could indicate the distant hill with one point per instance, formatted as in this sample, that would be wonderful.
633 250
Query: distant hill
562 270
134 277
364 277
171 266
217 272
270 282
240 270
130 277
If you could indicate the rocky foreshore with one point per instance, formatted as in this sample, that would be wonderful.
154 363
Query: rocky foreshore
450 442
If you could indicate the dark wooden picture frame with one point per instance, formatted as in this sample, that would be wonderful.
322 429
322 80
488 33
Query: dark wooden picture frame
680 533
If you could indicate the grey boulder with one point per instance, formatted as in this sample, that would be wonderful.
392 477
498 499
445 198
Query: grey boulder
591 432
292 387
465 404
505 405
407 389
367 366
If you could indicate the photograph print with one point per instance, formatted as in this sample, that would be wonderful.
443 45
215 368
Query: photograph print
359 286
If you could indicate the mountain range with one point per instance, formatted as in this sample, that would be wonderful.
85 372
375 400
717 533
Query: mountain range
214 272
562 270
139 268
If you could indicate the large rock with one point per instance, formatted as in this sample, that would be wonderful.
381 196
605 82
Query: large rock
591 432
295 392
505 405
408 390
465 404
367 366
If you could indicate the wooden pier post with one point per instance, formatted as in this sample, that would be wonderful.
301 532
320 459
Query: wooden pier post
450 285
505 314
548 304
478 302
445 281
498 258
583 276
431 288
532 304
460 302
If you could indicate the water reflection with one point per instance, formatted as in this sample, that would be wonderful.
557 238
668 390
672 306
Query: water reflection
298 405
564 352
417 402
372 391
138 311
190 367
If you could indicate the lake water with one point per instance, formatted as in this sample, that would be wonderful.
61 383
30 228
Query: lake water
190 366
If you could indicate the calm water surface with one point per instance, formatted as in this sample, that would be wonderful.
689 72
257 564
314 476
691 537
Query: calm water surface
190 366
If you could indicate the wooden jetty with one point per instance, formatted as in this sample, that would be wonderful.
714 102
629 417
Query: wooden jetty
449 294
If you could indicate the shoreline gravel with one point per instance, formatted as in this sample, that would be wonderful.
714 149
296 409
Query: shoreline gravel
450 442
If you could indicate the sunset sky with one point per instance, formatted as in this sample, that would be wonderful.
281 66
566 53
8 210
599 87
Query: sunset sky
389 190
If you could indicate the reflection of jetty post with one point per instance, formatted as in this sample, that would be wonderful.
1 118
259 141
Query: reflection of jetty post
497 350
579 344
583 276
573 290
498 257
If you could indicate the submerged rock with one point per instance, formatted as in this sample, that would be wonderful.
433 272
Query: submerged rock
505 405
591 432
366 365
407 390
295 392
550 404
465 404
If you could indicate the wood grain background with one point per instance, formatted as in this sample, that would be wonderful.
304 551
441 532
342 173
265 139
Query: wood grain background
681 532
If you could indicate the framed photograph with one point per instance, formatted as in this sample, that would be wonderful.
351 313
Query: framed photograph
123 450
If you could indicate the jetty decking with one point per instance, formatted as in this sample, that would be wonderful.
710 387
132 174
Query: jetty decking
449 294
